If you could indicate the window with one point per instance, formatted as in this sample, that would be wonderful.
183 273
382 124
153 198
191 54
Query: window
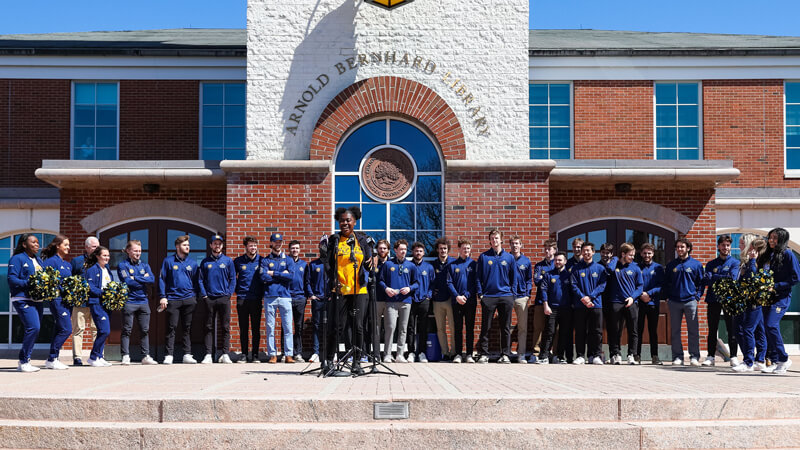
792 93
11 330
677 121
222 121
95 115
550 120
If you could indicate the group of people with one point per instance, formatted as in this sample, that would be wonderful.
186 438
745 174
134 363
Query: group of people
574 296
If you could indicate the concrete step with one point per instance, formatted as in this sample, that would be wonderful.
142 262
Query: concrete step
423 409
461 435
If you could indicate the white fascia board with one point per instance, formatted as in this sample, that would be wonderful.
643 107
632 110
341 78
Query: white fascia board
663 68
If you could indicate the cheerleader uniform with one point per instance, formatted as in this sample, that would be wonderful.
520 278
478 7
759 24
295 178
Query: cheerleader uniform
61 313
20 268
98 278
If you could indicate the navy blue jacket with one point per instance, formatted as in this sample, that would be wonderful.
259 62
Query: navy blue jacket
441 293
178 278
277 284
717 269
588 280
297 287
555 289
539 274
217 276
462 278
248 280
380 294
683 280
20 268
523 277
425 277
653 279
62 267
627 281
316 280
397 275
94 276
786 276
571 263
77 264
137 277
495 274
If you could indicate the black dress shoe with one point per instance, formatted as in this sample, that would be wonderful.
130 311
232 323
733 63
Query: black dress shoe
356 369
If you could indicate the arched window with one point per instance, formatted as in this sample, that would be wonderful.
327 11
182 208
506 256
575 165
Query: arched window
392 170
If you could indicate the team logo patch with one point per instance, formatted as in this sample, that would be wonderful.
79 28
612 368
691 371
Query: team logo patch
652 272
583 275
552 280
130 270
283 263
175 267
188 267
123 274
725 269
689 270
318 269
244 267
616 270
301 269
222 266
675 270
458 270
424 273
141 271
522 267
594 275
491 262
272 264
503 263
778 309
436 270
210 265
25 265
629 272
391 269
715 270
405 270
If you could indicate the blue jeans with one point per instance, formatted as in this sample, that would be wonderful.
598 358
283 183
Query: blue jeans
103 324
284 305
63 318
772 327
30 313
317 309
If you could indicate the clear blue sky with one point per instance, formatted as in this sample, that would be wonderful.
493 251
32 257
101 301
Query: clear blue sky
775 17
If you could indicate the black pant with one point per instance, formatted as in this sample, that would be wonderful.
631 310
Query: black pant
298 319
621 317
417 336
650 313
588 328
249 312
550 324
219 310
347 306
180 309
142 313
464 316
714 311
504 306
565 331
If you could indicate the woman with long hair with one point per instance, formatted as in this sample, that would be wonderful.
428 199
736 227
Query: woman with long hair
24 263
53 256
98 276
751 319
786 273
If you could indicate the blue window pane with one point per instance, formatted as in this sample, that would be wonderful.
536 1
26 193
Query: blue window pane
212 137
234 137
84 93
429 189
687 137
106 136
4 292
793 158
792 114
559 137
84 153
539 154
235 153
107 93
84 115
538 115
234 115
429 216
687 115
407 235
666 137
665 94
667 153
793 136
358 144
377 235
559 94
212 115
197 242
687 93
428 239
416 143
106 114
559 154
106 154
537 95
118 242
792 92
234 93
142 236
402 217
688 153
373 217
539 138
212 94
83 136
665 116
559 116
347 189
213 154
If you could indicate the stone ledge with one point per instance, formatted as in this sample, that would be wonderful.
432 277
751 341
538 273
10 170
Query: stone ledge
270 166
505 165
125 174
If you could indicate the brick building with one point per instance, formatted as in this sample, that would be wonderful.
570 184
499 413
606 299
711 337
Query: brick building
605 135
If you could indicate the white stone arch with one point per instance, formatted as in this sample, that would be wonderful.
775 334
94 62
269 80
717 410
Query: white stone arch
144 209
632 209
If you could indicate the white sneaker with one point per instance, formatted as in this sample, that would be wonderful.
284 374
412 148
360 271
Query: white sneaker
96 363
422 358
483 359
410 358
735 361
741 368
206 359
470 360
126 360
225 359
457 359
631 360
709 361
677 362
504 360
758 366
543 361
769 369
314 358
694 362
598 361
105 363
579 360
26 367
189 359
616 360
149 361
168 360
401 359
783 367
388 359
55 365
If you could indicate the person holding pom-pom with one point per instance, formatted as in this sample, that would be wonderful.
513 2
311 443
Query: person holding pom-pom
54 255
24 263
98 276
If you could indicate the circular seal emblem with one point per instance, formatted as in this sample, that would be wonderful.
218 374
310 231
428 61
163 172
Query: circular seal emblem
387 174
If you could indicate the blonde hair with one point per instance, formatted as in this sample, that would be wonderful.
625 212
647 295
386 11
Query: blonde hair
746 240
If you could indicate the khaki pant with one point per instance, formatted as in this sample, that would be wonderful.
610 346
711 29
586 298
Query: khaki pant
443 311
539 322
521 309
79 317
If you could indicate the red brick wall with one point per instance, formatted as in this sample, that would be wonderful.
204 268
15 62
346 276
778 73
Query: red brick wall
34 125
613 119
159 119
